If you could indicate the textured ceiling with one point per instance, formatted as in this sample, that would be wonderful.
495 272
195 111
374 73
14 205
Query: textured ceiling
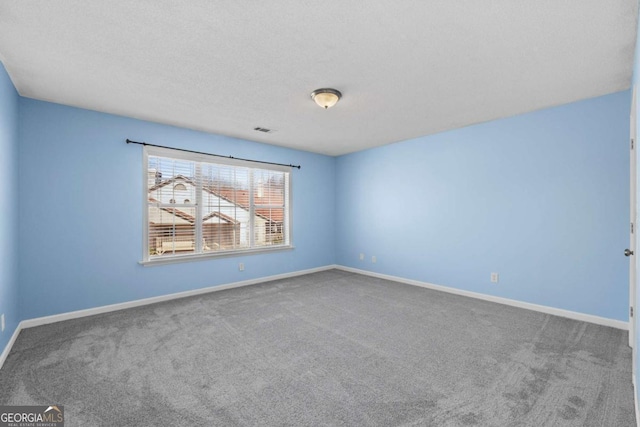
405 68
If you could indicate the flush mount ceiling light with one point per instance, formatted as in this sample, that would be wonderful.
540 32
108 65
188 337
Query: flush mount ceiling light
326 97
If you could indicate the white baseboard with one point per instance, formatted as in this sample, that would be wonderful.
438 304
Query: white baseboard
618 324
9 345
30 323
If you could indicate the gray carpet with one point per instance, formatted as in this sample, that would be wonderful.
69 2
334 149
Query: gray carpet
326 349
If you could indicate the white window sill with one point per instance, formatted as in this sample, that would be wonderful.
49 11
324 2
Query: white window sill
211 255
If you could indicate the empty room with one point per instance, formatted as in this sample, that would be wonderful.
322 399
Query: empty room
335 214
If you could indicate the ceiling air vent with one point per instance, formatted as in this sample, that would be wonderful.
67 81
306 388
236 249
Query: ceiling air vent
263 130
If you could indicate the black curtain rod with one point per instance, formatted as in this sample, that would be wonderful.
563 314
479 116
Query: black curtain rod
209 154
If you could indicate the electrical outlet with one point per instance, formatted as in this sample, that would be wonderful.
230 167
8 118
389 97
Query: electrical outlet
2 321
494 277
374 259
361 257
241 266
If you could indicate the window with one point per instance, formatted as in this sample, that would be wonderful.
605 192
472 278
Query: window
229 206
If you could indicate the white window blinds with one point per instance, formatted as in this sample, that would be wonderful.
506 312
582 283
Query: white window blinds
199 205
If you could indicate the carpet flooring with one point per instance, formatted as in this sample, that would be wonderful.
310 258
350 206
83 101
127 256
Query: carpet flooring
326 349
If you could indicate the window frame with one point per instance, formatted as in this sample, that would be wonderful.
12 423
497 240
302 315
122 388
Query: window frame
176 154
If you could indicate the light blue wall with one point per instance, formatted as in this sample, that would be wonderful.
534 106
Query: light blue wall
8 206
541 198
81 210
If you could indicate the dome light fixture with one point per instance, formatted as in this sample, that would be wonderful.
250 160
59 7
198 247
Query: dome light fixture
326 97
